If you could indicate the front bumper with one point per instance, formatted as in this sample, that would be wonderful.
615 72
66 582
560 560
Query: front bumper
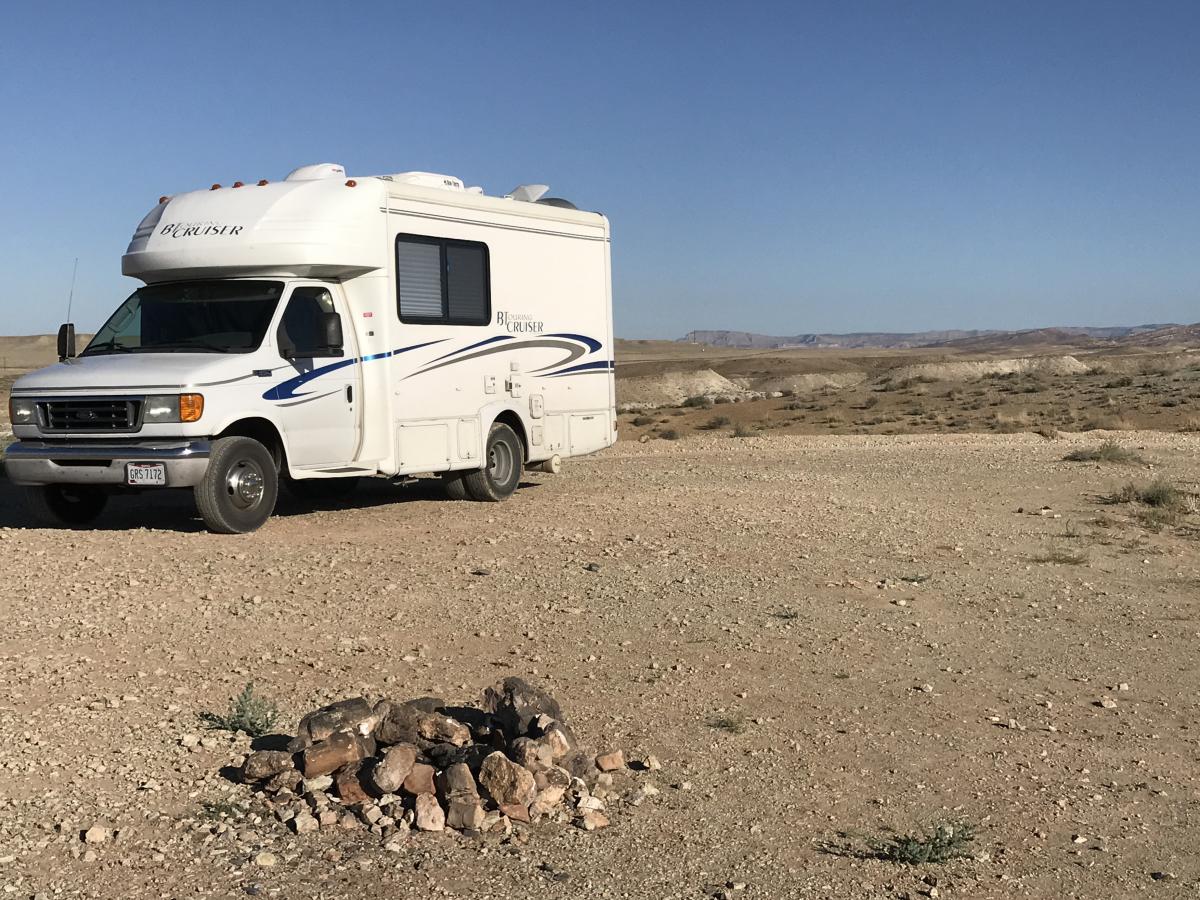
103 462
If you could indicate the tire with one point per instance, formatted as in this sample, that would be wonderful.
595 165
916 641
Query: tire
71 505
455 484
239 488
502 469
322 491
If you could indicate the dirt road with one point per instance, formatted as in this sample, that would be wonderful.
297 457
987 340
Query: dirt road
812 634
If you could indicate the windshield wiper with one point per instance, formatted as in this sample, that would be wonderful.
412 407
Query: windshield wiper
104 346
191 344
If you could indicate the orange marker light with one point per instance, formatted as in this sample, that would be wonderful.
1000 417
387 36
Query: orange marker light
163 199
351 183
263 182
237 184
215 187
191 407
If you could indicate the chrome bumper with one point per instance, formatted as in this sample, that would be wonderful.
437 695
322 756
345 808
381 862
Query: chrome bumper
81 462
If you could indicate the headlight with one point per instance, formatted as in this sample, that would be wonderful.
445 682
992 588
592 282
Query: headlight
173 408
21 412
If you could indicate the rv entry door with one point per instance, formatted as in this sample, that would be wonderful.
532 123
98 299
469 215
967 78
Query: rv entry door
320 411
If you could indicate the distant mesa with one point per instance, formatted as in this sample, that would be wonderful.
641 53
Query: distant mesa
965 339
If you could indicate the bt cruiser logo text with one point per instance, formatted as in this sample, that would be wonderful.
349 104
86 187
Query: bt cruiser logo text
197 229
519 323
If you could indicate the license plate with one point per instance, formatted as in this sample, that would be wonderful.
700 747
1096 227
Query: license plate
146 474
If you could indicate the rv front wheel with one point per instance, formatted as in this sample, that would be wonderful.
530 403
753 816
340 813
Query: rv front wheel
239 488
64 504
502 466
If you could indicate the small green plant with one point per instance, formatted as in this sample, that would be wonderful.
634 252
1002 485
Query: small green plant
734 723
947 841
1062 556
669 434
1109 451
248 712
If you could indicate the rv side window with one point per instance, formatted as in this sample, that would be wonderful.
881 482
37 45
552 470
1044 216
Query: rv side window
441 281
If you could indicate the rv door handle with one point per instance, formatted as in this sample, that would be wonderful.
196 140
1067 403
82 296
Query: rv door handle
349 393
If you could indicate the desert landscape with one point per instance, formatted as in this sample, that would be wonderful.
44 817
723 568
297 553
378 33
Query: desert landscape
888 623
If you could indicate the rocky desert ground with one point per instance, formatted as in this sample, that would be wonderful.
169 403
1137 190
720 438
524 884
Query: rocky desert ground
826 640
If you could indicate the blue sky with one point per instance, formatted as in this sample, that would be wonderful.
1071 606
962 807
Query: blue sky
781 168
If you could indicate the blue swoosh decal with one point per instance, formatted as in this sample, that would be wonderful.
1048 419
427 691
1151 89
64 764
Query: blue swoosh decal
601 365
286 390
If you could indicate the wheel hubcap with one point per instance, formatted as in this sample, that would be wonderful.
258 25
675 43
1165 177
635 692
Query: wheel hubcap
500 462
245 484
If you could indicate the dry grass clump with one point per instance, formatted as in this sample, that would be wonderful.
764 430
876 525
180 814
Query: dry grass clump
639 421
1110 452
716 423
669 434
744 431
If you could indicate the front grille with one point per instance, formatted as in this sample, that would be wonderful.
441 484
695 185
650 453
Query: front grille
92 416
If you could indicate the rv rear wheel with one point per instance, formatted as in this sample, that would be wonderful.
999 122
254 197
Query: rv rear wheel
64 504
239 488
501 466
320 491
455 485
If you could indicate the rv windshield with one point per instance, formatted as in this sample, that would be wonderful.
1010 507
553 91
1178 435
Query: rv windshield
190 317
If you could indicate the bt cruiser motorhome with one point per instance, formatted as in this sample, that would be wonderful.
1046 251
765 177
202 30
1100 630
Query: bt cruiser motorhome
321 329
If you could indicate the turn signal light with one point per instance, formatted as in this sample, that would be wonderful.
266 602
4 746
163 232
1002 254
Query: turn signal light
263 182
215 187
351 183
163 199
237 184
191 407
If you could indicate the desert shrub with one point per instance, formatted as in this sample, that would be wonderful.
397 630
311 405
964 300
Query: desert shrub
722 399
699 402
639 421
1109 451
1123 382
743 431
1106 423
248 712
669 434
715 423
1158 494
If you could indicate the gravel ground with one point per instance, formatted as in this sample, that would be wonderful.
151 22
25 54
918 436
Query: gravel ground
813 634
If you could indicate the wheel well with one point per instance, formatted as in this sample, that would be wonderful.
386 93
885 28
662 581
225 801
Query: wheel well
513 421
262 431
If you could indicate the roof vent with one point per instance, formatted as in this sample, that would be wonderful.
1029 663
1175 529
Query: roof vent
317 172
529 193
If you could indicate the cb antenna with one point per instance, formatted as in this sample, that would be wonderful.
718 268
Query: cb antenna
71 295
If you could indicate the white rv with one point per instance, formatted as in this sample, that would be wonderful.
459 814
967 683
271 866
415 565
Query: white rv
324 328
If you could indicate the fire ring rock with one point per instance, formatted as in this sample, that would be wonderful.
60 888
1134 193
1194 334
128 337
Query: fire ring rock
507 782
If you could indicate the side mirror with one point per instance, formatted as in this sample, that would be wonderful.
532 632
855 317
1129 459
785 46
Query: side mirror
66 341
331 331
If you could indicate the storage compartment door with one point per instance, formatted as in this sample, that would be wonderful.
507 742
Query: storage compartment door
424 448
588 433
